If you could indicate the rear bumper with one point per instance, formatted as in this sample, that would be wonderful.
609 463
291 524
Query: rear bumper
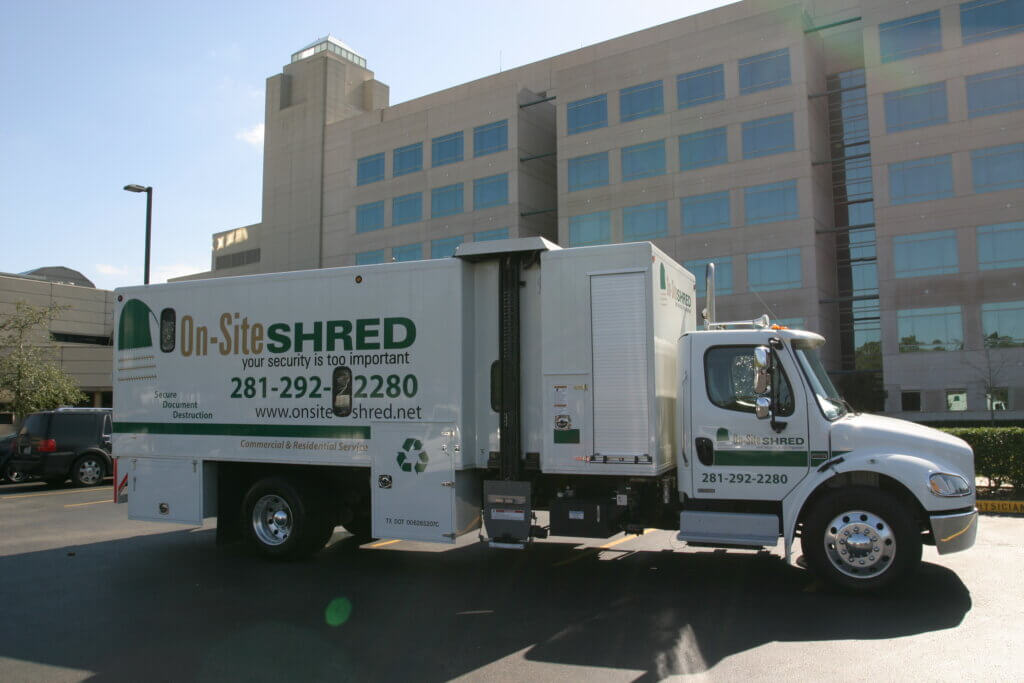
954 532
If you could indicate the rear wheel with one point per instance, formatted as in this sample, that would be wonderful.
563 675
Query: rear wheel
861 539
88 470
285 519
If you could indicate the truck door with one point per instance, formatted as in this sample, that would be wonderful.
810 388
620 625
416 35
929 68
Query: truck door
737 456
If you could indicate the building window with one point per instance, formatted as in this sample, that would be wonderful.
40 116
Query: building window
408 159
915 107
446 201
644 222
910 401
443 248
772 135
910 37
723 274
921 180
956 400
791 323
367 258
997 398
370 216
705 212
995 92
490 138
487 235
643 161
930 329
1003 324
640 101
764 71
704 148
588 114
772 270
985 19
1001 246
591 228
241 258
370 169
490 191
446 149
407 209
998 168
588 171
410 252
700 87
928 253
770 203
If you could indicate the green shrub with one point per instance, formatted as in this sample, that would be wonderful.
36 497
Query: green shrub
998 453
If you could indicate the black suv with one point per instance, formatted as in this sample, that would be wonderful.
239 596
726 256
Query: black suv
68 442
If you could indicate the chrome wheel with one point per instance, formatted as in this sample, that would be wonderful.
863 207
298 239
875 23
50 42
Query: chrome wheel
90 472
860 544
272 520
14 476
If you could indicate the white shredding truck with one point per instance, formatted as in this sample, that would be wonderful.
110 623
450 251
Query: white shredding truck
429 399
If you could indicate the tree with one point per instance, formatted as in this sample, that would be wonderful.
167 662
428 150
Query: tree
29 374
990 374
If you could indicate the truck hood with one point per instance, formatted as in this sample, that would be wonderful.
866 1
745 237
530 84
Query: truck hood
888 436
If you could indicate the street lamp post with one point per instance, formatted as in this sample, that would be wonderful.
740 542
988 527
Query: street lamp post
149 221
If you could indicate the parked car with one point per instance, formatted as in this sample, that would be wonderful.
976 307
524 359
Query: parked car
74 443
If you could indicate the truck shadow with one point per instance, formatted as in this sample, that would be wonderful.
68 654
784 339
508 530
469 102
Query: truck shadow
172 606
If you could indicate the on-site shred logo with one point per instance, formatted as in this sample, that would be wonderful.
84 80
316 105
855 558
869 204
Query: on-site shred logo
670 291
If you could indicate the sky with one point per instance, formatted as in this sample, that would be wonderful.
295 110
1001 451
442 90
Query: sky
95 95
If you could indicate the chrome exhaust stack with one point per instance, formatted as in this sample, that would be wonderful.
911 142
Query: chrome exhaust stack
709 297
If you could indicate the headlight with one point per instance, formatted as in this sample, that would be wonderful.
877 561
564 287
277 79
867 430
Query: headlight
949 485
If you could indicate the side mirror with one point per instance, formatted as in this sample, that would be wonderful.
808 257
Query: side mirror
762 373
763 408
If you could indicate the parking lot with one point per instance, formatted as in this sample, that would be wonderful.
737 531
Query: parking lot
89 595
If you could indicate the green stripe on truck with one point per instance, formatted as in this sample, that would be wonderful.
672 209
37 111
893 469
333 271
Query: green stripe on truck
760 458
213 429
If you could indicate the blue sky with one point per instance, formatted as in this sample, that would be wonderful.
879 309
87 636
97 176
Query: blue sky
100 94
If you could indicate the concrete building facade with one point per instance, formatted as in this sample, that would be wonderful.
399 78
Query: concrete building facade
852 168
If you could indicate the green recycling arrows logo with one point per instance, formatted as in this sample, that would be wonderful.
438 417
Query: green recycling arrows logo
412 456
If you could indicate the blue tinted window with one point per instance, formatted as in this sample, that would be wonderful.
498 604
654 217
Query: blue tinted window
644 222
774 270
705 212
1003 323
410 252
445 201
995 92
770 203
984 19
367 258
772 135
915 107
486 235
929 253
723 274
407 209
1001 246
998 168
640 101
446 149
370 169
791 323
921 180
588 114
930 329
917 35
588 171
643 161
764 71
704 148
592 228
369 217
491 191
700 87
408 159
443 248
490 138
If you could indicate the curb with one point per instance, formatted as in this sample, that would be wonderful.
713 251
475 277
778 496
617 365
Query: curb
1001 506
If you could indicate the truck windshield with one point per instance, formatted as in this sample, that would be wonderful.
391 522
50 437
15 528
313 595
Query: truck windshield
832 404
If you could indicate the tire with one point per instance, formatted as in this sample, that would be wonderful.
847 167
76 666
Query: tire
861 539
285 519
13 475
88 470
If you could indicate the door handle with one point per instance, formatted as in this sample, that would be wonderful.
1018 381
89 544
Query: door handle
705 451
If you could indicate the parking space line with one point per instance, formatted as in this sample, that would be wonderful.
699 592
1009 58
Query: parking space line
381 544
91 502
17 496
589 552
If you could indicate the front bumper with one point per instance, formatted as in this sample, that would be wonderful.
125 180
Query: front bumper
954 532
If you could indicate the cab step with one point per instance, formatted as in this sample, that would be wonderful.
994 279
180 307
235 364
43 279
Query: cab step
728 528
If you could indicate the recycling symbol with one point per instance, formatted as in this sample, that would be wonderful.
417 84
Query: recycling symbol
412 456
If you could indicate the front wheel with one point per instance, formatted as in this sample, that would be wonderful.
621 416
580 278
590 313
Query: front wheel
284 520
861 539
